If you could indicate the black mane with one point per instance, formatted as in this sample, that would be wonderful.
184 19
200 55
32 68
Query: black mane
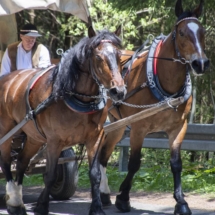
66 74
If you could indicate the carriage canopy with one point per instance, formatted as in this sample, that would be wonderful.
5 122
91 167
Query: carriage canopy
8 8
75 7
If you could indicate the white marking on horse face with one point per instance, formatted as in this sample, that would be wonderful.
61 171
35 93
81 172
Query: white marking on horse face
194 28
110 48
104 188
15 194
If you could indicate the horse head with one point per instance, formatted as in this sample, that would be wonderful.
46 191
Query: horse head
105 60
189 37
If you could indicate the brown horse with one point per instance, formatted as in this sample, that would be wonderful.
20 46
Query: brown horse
71 102
156 75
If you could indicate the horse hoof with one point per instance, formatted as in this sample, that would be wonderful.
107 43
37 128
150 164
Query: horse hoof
20 210
123 206
100 212
105 199
182 209
40 211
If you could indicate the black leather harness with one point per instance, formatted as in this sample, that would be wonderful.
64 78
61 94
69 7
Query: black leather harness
152 79
86 107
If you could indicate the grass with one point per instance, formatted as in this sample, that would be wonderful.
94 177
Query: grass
31 180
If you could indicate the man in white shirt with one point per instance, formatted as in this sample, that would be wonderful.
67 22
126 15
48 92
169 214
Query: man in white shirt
25 54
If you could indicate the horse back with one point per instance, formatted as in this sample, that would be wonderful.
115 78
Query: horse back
13 92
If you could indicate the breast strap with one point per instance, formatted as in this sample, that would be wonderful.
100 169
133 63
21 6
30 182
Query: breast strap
152 77
43 104
79 106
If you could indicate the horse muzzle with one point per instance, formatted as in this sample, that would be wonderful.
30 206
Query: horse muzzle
118 92
200 65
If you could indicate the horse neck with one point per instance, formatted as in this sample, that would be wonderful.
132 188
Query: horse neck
171 75
86 85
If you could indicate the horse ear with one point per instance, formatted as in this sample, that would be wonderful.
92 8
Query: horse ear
178 8
91 32
118 30
198 10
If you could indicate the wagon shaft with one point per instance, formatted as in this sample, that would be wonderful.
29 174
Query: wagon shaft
142 114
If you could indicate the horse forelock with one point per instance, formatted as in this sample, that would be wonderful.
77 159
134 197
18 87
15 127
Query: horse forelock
107 36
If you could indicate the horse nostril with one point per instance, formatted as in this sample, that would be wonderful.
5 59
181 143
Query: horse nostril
200 65
196 65
118 93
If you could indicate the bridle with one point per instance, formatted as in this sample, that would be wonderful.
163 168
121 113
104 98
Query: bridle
102 91
182 60
91 69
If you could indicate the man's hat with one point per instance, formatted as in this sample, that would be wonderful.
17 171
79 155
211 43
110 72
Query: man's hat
30 30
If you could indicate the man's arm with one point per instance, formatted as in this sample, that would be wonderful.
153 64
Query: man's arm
5 64
44 59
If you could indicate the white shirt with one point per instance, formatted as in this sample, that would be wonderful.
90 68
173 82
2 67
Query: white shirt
23 59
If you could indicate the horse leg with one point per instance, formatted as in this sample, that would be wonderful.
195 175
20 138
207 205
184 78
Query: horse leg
30 149
175 139
14 200
93 152
123 200
109 144
52 154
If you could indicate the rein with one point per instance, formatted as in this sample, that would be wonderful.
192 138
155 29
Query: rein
180 59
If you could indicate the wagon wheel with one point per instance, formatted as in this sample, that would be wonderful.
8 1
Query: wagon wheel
66 178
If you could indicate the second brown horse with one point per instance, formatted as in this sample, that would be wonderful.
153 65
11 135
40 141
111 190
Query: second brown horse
156 75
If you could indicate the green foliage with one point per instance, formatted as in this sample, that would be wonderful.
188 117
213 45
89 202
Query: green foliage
155 173
31 180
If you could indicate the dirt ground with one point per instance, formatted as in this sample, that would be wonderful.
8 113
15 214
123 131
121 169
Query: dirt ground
195 201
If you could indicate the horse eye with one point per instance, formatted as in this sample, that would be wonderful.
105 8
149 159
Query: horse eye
181 33
99 58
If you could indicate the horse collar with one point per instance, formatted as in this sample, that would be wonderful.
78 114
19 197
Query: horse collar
152 78
86 107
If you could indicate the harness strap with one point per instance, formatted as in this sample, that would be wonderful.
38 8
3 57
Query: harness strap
16 128
153 80
42 105
128 95
30 113
127 68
